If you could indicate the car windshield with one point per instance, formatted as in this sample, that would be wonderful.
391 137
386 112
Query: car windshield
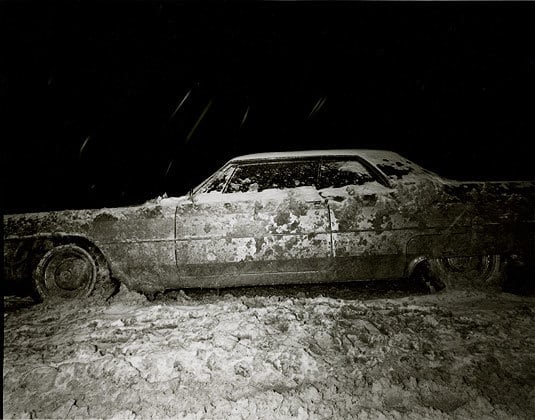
216 182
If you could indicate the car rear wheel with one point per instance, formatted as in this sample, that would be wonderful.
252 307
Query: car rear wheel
65 271
478 271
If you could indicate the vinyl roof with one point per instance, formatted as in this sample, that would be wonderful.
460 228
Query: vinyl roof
374 156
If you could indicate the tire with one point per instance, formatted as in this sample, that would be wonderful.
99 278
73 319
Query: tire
480 272
424 277
65 271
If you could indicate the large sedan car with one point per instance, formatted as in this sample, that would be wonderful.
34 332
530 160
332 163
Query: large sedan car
286 217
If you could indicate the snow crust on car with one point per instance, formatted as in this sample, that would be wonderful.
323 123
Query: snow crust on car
349 191
351 166
304 193
171 201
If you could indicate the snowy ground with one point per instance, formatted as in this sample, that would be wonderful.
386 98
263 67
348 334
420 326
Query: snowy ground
308 352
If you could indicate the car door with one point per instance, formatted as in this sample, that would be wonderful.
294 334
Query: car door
367 241
213 233
249 227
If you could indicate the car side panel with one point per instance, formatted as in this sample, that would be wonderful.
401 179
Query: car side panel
368 236
137 241
240 234
139 244
296 233
213 237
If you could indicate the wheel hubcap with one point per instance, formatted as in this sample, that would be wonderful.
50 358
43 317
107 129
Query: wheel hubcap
71 273
68 272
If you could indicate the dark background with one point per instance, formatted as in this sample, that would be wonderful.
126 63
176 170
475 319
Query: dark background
90 91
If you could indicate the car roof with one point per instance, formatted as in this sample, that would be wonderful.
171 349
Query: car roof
373 156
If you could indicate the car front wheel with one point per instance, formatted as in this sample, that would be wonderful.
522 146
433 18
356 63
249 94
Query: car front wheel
65 271
479 271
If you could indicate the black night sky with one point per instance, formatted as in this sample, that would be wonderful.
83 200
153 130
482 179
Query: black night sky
113 103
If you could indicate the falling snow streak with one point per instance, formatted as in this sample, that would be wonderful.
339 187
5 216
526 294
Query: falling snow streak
317 107
168 168
245 115
203 113
186 96
84 144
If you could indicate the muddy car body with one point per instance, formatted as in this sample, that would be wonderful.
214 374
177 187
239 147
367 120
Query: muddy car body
316 216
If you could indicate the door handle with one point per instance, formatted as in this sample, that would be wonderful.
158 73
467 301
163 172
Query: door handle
323 201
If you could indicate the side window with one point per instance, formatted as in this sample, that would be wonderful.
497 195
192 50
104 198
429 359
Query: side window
217 183
339 173
261 176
